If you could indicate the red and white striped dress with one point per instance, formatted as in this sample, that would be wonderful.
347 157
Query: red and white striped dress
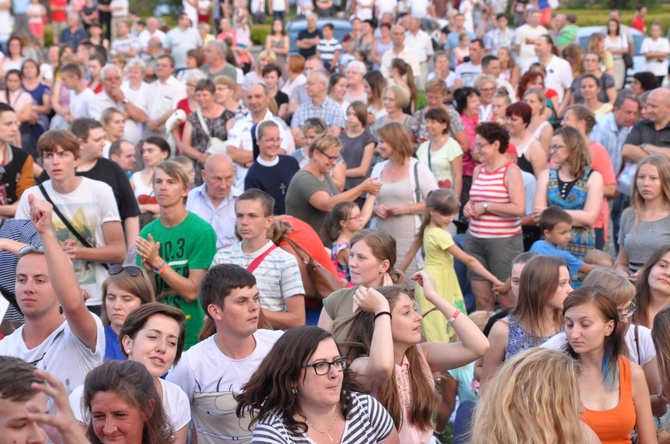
489 186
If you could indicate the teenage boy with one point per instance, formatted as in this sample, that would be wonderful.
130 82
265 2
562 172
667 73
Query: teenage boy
70 344
80 95
271 172
556 224
89 209
213 370
282 295
329 48
178 247
16 165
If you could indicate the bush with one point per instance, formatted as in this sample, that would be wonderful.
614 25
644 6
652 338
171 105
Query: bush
259 33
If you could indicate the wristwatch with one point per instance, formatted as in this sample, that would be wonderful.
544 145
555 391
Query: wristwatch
486 206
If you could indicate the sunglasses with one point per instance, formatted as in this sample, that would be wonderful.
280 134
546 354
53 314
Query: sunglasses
30 249
132 270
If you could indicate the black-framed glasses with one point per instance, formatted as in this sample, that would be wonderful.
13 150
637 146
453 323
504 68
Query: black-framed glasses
323 368
132 270
31 249
629 310
330 158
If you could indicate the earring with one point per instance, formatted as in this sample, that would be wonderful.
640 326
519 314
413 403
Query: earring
128 351
294 390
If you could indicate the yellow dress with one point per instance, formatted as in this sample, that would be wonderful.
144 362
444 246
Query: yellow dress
440 265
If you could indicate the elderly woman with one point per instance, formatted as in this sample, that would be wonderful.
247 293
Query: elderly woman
355 71
486 85
496 203
187 105
573 186
209 121
395 98
312 192
532 157
265 57
406 183
134 88
224 96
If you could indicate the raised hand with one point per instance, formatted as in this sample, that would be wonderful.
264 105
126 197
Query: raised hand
40 214
370 300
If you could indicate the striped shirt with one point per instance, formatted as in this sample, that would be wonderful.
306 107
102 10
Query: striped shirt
489 186
368 422
277 276
327 48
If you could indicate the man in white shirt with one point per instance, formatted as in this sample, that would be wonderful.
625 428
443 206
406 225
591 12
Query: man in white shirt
420 41
152 31
163 96
125 44
469 71
525 36
400 51
559 72
214 370
214 200
68 345
112 96
180 40
240 146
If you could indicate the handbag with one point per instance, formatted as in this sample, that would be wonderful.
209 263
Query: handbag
214 145
627 60
67 223
324 281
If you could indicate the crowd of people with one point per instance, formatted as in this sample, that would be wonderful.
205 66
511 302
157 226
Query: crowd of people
325 240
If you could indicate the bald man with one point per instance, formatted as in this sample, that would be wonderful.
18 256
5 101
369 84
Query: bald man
214 200
652 135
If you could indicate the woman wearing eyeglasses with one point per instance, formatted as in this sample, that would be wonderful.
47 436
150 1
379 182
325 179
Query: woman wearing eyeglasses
303 392
390 360
312 192
637 337
123 291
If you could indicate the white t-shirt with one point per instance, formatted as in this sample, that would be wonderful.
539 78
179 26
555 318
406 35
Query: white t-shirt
384 6
647 349
79 103
88 208
450 80
525 36
419 8
468 72
62 354
175 403
421 43
465 8
191 12
559 74
203 370
121 12
658 67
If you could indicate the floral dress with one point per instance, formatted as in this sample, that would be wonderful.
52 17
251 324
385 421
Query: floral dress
200 140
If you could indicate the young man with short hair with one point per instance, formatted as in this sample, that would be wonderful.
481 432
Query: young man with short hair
89 207
178 247
212 371
80 95
70 344
282 295
271 172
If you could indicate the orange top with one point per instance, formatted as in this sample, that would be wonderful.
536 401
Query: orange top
614 426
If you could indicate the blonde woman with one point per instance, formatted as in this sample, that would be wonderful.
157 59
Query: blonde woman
539 126
540 384
113 123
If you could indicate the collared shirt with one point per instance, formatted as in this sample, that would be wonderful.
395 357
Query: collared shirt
121 44
221 218
645 131
408 54
496 39
164 96
329 111
239 136
421 43
609 135
72 38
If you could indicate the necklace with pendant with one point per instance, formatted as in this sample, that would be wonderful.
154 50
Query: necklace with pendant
327 432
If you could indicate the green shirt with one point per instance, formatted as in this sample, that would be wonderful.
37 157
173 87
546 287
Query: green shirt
568 35
191 245
228 71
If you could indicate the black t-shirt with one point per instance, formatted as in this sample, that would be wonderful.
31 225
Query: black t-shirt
307 34
110 173
281 98
644 131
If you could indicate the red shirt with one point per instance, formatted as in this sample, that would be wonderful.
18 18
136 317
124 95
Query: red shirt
638 24
59 15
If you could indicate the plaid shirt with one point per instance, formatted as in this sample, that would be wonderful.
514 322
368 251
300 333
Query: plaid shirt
329 111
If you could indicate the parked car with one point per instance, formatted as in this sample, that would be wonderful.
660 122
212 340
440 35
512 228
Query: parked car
293 28
638 60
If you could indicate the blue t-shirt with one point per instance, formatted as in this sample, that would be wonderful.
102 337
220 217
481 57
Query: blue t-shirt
542 247
112 346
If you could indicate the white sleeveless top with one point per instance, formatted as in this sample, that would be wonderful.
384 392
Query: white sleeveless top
538 131
140 188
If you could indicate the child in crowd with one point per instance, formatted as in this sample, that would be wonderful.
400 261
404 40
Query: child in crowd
441 208
555 224
598 258
329 48
348 54
345 220
462 51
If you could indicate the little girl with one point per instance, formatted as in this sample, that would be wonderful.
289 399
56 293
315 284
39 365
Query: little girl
441 208
462 51
345 220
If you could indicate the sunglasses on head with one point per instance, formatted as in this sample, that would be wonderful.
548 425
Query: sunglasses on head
132 270
30 249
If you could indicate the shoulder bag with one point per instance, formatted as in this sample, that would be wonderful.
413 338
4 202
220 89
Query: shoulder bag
323 280
214 144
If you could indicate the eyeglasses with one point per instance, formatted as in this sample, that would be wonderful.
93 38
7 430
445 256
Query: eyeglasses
30 249
556 147
323 368
629 310
277 140
132 270
331 158
479 146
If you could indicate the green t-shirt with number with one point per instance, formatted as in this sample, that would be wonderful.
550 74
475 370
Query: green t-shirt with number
191 245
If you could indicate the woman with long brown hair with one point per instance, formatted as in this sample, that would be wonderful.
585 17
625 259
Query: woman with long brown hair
653 287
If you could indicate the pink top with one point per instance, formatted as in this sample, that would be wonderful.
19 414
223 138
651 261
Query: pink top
489 186
469 164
